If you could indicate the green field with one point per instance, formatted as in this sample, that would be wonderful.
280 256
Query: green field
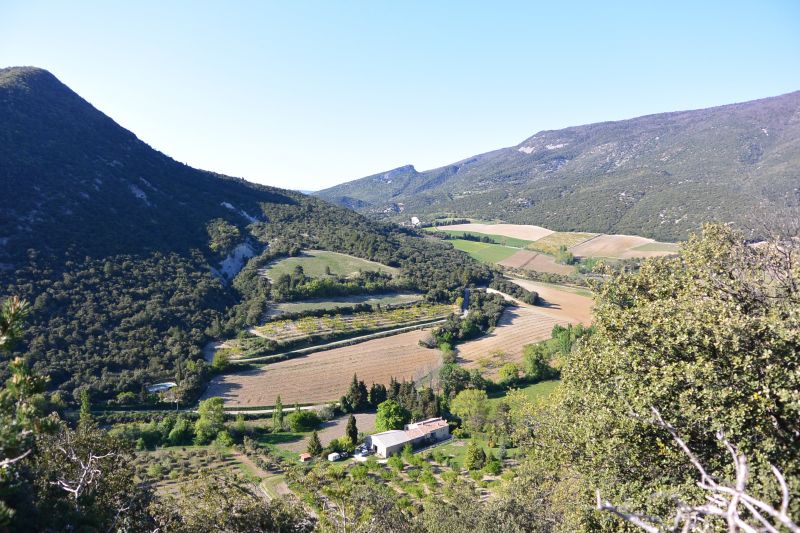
314 263
551 243
501 239
484 252
658 247
536 392
344 301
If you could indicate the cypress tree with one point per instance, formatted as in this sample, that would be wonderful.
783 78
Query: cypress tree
277 415
352 430
314 445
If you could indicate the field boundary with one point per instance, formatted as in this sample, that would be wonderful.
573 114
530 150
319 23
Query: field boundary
267 359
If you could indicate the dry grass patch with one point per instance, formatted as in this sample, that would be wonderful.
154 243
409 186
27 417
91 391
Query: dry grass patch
551 243
518 231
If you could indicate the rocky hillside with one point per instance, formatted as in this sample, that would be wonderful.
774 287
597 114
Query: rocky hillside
659 175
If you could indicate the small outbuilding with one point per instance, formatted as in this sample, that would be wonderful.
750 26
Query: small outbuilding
305 457
392 442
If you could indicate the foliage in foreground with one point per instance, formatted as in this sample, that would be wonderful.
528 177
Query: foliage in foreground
710 338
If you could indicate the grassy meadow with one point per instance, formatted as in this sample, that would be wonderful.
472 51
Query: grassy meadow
484 252
317 264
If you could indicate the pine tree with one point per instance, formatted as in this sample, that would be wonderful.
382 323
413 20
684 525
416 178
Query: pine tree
277 415
314 445
475 457
352 430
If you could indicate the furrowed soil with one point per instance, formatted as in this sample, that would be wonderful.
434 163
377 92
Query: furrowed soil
561 303
618 247
517 327
538 262
325 376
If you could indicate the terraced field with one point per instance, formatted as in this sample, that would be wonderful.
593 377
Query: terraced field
288 330
325 376
314 263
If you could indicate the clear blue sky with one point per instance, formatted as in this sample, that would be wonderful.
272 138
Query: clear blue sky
308 94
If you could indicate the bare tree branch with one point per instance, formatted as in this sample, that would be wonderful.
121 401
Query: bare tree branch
723 501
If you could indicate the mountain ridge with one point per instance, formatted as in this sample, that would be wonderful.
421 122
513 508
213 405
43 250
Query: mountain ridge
659 175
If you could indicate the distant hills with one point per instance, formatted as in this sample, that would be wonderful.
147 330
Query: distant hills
658 176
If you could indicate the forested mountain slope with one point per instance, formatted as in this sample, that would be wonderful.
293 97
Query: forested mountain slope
123 252
658 176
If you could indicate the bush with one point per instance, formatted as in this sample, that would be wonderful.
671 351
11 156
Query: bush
359 472
326 412
493 467
155 470
396 463
223 440
300 421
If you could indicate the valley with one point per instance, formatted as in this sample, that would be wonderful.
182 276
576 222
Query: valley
223 350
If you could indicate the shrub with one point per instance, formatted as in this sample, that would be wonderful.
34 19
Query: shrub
396 462
299 421
493 467
155 470
359 472
326 412
223 440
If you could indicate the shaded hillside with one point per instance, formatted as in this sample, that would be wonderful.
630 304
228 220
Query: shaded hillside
132 261
659 176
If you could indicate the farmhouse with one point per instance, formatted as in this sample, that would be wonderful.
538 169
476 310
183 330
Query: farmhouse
417 434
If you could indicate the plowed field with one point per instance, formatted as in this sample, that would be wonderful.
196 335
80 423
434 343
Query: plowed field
325 376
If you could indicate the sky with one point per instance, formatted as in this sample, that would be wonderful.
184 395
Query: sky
305 95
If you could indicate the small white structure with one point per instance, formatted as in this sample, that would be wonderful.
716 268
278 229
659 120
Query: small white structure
417 434
415 222
334 456
161 387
